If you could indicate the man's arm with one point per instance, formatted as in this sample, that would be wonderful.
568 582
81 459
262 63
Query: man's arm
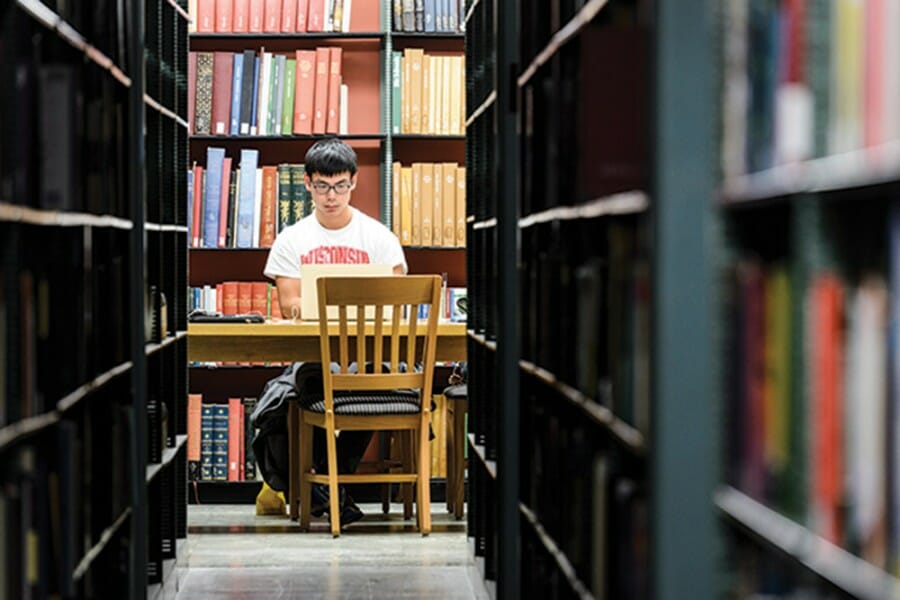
398 269
288 296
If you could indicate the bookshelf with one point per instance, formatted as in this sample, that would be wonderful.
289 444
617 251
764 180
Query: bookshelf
589 206
374 131
808 492
92 386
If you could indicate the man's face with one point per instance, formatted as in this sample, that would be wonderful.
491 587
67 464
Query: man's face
331 194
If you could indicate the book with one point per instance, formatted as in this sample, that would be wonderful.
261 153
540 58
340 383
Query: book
448 204
301 199
194 416
249 404
215 158
272 16
224 15
332 119
223 64
289 16
206 16
220 442
461 207
257 16
241 17
246 192
235 438
396 86
320 94
304 91
285 194
206 442
192 91
223 203
237 82
416 210
248 76
287 111
426 202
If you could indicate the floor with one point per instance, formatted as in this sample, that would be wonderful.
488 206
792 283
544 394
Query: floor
232 553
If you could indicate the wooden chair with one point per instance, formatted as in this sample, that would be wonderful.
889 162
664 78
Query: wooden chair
370 401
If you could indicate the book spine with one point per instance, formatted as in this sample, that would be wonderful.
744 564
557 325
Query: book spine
249 434
320 100
220 442
215 158
269 208
247 185
204 90
287 110
235 438
237 88
285 192
396 87
223 202
206 442
334 90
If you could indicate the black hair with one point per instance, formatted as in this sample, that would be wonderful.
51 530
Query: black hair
330 156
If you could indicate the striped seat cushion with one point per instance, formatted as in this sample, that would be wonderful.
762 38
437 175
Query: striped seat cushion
398 402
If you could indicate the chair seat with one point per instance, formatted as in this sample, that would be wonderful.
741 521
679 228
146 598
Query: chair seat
459 391
367 403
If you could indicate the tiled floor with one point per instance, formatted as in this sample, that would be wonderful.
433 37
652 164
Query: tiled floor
232 553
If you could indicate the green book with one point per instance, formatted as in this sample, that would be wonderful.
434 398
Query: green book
298 192
285 193
287 111
272 102
396 81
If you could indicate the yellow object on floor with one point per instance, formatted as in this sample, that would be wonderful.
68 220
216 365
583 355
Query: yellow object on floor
270 502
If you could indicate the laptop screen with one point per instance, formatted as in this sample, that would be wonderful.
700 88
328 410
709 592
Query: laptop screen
309 274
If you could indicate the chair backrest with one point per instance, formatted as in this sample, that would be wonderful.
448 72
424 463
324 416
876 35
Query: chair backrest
391 340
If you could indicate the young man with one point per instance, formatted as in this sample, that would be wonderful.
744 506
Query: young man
335 233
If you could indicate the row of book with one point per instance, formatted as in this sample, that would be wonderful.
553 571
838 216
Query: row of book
244 207
429 16
428 93
810 369
429 204
261 298
220 439
585 310
269 16
267 94
808 79
45 313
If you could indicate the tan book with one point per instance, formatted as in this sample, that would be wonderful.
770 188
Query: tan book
416 238
461 207
446 70
404 92
440 95
332 121
395 200
437 236
415 94
269 209
455 94
427 204
426 86
405 205
462 95
448 204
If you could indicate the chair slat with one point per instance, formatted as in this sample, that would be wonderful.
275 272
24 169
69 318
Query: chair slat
395 339
379 336
342 316
411 336
384 381
361 336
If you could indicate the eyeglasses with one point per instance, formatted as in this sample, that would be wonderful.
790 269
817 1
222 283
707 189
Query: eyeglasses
340 188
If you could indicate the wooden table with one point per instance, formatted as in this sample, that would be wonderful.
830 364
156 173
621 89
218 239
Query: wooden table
290 341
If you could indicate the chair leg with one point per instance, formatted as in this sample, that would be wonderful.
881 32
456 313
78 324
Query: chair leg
302 471
423 483
459 460
386 450
451 455
293 460
406 489
334 496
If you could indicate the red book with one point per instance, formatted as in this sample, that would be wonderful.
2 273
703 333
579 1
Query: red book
272 22
197 208
192 89
288 16
320 94
304 90
315 17
242 445
274 304
241 18
224 12
245 297
234 438
269 206
223 201
193 426
827 385
259 297
220 294
206 16
230 298
302 9
334 91
256 16
223 63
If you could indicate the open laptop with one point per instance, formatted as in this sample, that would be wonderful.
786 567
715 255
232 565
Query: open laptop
309 299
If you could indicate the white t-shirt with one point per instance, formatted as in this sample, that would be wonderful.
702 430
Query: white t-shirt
363 240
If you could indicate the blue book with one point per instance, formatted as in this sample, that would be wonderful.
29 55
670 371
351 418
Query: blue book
254 126
278 89
190 204
237 75
246 197
429 16
220 442
206 441
215 158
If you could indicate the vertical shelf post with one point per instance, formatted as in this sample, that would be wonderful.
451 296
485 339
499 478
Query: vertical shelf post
508 346
137 267
684 425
